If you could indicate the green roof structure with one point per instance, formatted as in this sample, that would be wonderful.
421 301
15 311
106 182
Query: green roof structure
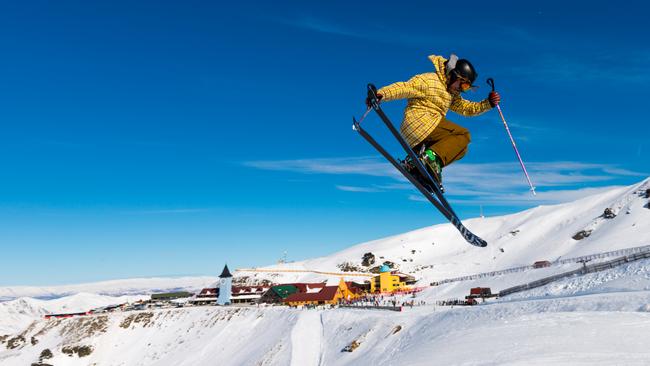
284 290
171 295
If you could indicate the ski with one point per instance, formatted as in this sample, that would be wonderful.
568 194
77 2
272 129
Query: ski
416 161
435 196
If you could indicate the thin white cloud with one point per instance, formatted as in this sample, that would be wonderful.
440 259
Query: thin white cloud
493 183
417 198
624 172
527 199
384 33
554 67
167 211
358 189
501 176
395 186
321 25
358 165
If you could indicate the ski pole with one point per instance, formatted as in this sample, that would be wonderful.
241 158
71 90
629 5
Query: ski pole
375 103
490 82
364 116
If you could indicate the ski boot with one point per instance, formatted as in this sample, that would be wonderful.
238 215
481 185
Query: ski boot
432 164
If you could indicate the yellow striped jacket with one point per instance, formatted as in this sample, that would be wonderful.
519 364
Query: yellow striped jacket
428 102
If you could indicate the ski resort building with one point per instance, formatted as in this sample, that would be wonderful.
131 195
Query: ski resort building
238 295
206 296
247 294
541 264
327 295
170 296
66 315
276 294
390 281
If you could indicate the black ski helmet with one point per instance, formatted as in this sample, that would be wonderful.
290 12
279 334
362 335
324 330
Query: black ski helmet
465 69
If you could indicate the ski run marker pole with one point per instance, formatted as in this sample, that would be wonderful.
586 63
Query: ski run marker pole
490 82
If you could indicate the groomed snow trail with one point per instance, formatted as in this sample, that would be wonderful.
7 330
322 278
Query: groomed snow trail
306 339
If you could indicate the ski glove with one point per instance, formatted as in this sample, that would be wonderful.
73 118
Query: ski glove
374 90
494 98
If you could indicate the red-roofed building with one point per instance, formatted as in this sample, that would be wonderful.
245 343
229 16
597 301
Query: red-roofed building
207 296
358 288
309 287
277 293
247 294
239 295
327 295
209 292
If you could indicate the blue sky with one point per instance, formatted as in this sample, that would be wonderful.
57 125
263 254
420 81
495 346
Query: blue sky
151 138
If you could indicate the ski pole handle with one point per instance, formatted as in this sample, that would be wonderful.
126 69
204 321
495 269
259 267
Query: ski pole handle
490 82
372 95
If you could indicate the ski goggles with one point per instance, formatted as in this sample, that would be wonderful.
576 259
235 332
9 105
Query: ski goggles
465 85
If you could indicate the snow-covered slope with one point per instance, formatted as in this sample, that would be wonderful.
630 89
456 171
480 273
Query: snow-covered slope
597 318
541 233
17 314
595 328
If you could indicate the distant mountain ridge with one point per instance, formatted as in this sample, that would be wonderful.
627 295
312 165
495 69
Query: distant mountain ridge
135 286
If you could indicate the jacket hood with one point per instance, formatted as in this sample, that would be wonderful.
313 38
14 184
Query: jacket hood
439 63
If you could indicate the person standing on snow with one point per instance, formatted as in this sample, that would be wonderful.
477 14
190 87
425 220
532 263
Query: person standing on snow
430 96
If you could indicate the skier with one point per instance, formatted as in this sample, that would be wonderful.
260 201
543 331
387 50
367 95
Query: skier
425 127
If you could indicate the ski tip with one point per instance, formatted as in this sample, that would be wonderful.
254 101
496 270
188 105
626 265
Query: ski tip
475 240
355 124
479 243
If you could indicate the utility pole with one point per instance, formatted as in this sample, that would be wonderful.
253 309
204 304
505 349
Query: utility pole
283 259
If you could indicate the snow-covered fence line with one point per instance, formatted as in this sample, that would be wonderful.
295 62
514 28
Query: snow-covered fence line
616 262
451 302
584 270
613 253
558 261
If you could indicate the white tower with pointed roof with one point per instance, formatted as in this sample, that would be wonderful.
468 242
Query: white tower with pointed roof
225 287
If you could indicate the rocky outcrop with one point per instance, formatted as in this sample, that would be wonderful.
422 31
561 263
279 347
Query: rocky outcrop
16 342
368 259
581 234
350 267
81 351
608 214
46 354
142 318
